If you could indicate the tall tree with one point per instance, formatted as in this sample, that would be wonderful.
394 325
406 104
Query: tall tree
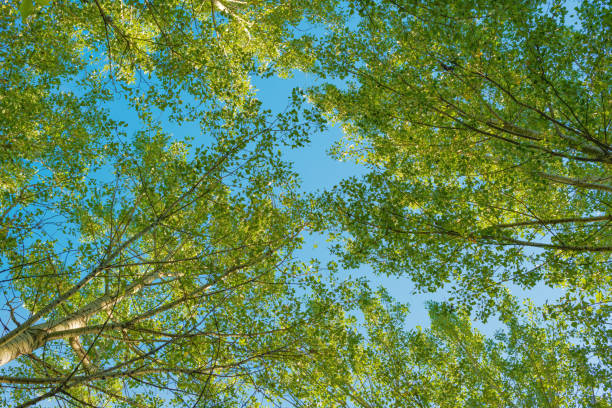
450 364
139 269
486 129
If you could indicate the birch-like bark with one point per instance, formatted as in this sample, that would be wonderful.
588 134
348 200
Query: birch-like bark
15 337
576 182
36 336
28 324
224 9
569 220
76 323
77 347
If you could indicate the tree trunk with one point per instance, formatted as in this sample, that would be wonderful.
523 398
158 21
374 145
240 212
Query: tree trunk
36 336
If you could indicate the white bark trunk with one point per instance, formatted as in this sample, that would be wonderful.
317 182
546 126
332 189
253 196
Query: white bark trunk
80 352
577 182
36 336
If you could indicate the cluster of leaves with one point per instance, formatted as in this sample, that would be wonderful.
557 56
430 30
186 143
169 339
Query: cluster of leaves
136 262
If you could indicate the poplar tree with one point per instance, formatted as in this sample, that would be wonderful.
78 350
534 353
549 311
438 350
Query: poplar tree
142 267
485 127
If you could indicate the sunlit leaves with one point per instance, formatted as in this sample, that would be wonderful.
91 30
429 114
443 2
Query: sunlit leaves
481 130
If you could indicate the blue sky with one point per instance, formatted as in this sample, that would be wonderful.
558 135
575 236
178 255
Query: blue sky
318 171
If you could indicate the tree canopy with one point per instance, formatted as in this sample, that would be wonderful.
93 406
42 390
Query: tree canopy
150 223
485 126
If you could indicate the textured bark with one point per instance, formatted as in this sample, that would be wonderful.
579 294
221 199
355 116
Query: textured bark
28 324
569 220
36 336
576 182
78 349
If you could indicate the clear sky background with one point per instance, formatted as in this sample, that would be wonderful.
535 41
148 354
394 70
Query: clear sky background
318 171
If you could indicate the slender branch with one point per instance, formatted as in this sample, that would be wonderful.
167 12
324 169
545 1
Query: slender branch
554 221
576 182
77 347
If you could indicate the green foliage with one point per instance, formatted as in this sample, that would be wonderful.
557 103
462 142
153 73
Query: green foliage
144 268
449 364
486 129
141 268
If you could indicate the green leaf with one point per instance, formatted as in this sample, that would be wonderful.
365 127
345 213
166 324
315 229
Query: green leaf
26 8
